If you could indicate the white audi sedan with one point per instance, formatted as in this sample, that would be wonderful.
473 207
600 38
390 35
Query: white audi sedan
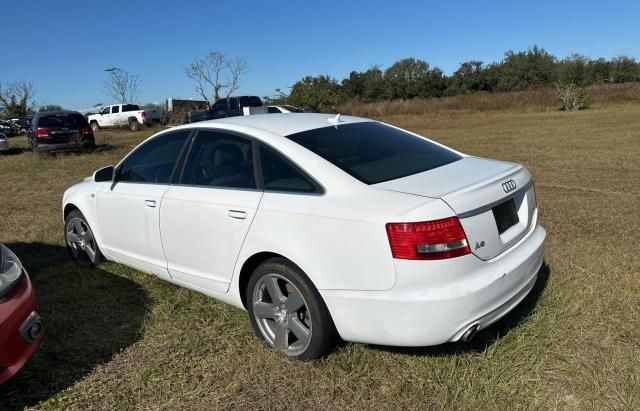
320 227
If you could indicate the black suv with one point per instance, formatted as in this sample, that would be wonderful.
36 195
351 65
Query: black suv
226 107
60 131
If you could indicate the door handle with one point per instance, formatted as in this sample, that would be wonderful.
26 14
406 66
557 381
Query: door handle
150 203
237 214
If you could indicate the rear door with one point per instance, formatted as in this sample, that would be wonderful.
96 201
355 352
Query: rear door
205 219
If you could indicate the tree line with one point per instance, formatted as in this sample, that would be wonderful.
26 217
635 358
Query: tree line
413 78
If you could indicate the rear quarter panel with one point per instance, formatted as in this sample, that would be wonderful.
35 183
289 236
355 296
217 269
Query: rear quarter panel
338 239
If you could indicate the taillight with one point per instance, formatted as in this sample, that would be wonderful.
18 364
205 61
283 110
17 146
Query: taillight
143 114
41 132
428 240
85 130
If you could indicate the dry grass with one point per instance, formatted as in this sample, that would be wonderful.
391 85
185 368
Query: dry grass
118 339
535 100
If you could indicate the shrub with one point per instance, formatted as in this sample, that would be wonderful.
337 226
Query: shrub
572 97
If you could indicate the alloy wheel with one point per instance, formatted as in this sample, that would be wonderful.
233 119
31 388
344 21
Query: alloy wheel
282 314
81 241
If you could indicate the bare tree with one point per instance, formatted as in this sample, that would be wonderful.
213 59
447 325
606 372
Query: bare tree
218 72
16 99
122 85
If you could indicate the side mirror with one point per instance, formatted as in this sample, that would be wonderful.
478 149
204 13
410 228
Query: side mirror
104 175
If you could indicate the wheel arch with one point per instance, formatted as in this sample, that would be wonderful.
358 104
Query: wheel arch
69 207
247 269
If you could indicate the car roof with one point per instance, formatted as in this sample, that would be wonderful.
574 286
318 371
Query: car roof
53 113
283 124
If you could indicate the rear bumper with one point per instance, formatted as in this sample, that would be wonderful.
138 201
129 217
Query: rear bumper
20 329
437 301
64 146
4 146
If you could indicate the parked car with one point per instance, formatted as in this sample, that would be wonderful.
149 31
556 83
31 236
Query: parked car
319 226
226 107
124 115
283 109
21 330
60 131
9 128
23 123
4 143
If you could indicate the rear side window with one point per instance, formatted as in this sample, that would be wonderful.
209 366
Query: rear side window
130 107
279 174
373 152
62 120
219 159
273 110
115 109
220 105
153 162
250 101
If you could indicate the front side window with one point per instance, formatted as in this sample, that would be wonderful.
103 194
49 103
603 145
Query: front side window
219 159
279 174
105 110
373 152
153 162
273 110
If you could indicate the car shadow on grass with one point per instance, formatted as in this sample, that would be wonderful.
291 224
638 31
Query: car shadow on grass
489 335
89 315
14 151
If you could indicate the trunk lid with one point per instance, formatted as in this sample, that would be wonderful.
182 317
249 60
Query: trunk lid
494 200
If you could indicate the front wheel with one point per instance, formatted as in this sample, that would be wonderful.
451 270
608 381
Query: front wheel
94 126
288 313
80 240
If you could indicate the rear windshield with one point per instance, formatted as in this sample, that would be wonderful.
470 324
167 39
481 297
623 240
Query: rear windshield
130 107
62 120
373 152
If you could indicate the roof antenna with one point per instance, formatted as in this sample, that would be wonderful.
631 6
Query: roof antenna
334 120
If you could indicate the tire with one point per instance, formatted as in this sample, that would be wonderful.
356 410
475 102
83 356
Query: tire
134 125
94 126
81 244
298 324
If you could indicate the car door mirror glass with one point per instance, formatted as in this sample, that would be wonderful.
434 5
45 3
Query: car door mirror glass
103 175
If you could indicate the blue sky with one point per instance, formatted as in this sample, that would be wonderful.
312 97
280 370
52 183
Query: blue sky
63 46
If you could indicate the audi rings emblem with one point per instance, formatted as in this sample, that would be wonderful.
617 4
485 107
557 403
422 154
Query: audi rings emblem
509 186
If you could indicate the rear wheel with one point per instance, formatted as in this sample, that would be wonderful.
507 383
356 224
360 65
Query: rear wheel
134 125
288 313
80 240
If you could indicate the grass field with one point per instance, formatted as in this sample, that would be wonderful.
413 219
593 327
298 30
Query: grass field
119 339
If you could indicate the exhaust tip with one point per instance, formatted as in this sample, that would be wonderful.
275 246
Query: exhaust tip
470 333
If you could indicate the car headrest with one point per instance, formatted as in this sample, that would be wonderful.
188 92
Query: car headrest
226 155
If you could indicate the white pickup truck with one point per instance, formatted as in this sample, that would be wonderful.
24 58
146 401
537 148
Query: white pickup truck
124 115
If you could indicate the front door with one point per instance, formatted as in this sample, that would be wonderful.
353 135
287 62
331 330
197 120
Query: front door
129 209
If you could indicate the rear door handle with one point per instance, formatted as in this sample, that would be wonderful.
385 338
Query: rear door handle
237 214
150 203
